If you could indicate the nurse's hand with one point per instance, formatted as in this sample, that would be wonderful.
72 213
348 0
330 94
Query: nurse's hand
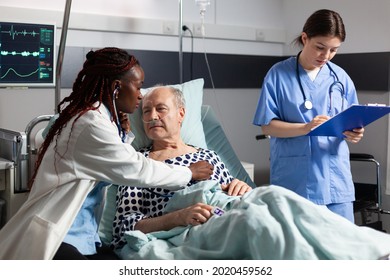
316 122
355 135
201 170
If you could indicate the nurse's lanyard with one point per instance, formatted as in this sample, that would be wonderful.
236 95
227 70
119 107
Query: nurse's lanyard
307 103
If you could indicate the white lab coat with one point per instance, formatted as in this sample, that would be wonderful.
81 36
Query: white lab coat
89 152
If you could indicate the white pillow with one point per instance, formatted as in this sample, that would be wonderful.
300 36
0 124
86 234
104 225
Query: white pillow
192 127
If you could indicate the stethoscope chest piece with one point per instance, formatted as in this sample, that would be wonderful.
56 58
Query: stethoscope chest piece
308 105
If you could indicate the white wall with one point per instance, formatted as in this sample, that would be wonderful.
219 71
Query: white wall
132 24
366 22
149 16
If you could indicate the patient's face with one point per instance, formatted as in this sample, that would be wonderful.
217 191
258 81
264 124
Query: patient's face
162 119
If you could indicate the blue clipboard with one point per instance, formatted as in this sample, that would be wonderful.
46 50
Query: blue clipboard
355 116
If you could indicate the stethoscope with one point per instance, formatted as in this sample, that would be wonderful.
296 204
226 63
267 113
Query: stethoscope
307 103
121 131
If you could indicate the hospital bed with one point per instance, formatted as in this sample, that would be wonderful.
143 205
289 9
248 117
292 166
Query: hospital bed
279 227
201 127
280 224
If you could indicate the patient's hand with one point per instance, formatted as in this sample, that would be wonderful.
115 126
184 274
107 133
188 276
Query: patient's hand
196 214
236 187
201 170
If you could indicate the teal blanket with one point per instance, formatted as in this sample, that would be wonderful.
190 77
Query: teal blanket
266 223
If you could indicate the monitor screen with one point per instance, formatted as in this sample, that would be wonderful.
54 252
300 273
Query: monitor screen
27 54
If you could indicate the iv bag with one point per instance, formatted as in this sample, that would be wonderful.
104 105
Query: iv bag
202 5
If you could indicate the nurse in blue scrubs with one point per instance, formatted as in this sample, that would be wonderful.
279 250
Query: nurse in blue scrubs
297 95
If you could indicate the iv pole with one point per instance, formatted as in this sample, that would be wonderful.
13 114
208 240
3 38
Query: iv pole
61 51
181 40
30 148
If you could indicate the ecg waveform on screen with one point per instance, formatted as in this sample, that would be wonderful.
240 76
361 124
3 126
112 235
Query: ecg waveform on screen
24 32
18 74
24 53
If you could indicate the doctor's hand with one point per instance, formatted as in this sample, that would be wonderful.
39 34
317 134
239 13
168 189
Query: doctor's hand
201 170
355 135
236 187
316 122
194 215
124 121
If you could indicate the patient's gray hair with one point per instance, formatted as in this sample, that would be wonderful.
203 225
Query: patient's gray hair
177 94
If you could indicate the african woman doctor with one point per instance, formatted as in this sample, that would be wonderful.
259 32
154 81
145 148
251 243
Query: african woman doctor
297 95
85 150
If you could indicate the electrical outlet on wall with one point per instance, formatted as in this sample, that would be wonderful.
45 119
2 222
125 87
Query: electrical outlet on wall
198 29
168 28
260 36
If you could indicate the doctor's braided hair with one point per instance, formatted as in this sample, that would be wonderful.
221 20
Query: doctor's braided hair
92 87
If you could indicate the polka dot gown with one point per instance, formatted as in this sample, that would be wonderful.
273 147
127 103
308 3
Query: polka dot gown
134 204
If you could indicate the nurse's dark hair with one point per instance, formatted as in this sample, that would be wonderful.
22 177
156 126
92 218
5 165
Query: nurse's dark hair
323 23
92 87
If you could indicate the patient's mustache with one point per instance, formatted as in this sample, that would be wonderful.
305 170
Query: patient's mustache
154 122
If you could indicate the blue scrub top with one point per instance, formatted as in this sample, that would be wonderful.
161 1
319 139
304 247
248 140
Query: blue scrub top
315 167
83 233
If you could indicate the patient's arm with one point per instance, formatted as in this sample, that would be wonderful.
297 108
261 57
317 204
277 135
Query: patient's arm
236 187
196 214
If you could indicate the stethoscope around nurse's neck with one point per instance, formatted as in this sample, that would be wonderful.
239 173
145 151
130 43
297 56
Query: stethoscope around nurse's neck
307 102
